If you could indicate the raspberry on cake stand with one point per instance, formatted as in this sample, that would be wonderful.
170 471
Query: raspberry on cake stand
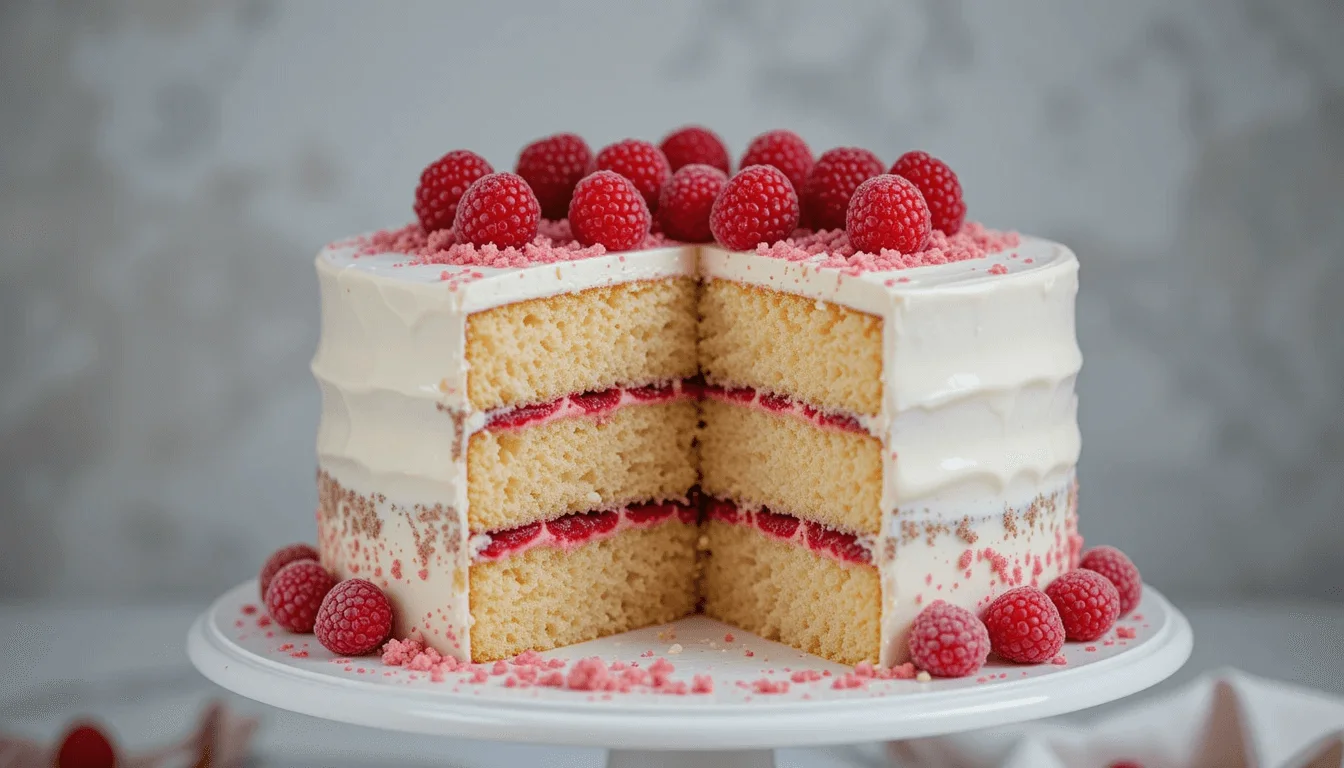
692 693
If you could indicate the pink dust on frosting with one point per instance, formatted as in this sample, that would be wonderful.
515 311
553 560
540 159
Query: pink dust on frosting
973 241
554 243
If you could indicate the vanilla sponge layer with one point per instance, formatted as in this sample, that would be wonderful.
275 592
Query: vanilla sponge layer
783 591
814 351
549 597
538 350
759 458
639 452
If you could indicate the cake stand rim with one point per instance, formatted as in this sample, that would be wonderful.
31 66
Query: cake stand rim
731 726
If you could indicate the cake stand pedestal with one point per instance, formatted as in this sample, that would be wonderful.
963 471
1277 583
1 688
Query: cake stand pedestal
738 725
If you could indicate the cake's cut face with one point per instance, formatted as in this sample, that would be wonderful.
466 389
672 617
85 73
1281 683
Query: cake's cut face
532 447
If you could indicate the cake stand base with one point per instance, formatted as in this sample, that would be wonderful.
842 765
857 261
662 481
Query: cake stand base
765 695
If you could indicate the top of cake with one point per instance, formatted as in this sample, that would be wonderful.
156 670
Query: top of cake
839 213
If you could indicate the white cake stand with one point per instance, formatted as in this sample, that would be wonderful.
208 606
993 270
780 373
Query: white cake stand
736 726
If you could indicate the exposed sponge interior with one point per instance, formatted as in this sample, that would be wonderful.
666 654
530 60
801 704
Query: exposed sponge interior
547 597
756 457
818 352
638 452
538 350
785 592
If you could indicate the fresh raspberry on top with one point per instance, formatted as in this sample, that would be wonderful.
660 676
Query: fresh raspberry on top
640 162
784 150
1120 570
758 205
686 200
938 184
85 746
694 144
887 212
831 183
1024 626
1088 603
282 557
442 185
296 594
552 166
499 209
947 641
355 618
607 209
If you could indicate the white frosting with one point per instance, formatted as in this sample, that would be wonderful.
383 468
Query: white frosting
978 407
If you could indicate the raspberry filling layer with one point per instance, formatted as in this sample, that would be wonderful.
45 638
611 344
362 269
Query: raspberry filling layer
589 404
784 405
824 541
578 529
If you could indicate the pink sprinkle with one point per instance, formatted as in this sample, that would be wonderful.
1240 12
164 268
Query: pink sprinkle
499 668
646 655
848 681
529 658
1059 661
865 669
998 269
702 684
805 676
588 674
479 676
299 654
973 241
765 685
728 638
249 609
750 654
552 680
964 561
286 646
263 621
1126 633
1090 649
904 671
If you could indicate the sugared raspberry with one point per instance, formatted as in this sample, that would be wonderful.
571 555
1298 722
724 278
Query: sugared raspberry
947 641
694 144
442 185
282 557
296 593
782 149
686 200
85 746
887 212
1024 626
758 205
355 618
831 183
1088 603
1119 570
940 187
608 210
552 166
499 209
640 162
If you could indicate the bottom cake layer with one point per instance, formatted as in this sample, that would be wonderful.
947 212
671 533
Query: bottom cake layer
785 592
547 597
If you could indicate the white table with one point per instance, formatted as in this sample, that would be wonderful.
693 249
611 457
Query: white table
127 667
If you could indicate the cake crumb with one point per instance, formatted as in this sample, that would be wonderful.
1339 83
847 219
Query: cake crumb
675 648
923 676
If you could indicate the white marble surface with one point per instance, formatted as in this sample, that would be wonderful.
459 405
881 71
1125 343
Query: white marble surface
167 168
128 668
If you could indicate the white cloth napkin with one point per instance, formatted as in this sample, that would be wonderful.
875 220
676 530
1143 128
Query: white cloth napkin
1227 719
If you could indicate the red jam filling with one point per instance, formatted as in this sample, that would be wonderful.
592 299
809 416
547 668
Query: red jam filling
784 405
588 404
581 527
821 539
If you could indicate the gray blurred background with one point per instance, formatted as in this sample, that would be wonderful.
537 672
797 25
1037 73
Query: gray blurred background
169 168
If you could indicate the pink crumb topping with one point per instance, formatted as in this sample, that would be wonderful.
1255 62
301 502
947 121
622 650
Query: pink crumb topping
1126 633
766 685
554 243
702 684
973 241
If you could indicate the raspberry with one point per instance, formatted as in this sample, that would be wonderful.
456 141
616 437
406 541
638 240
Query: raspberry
938 184
296 593
607 209
887 212
782 149
84 746
831 183
1088 603
1024 626
685 202
499 209
442 185
1119 570
355 618
640 162
552 166
282 557
758 205
694 144
947 641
